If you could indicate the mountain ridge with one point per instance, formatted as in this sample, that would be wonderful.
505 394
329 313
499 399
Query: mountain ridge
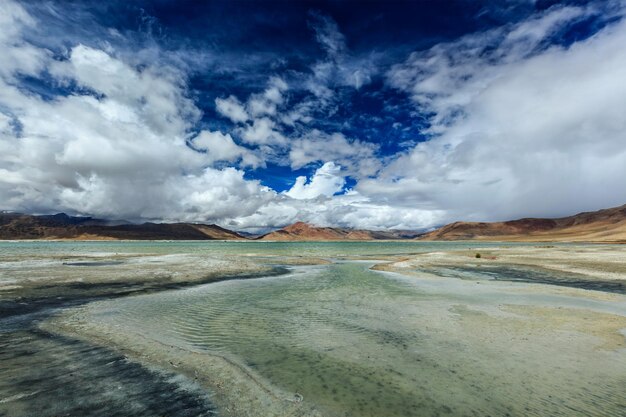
300 231
18 226
605 225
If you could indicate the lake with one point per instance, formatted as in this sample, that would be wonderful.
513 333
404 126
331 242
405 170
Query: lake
333 338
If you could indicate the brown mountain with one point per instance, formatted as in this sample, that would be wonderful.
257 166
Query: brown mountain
61 226
304 231
608 225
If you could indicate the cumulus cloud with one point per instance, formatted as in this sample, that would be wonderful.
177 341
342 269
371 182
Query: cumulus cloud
327 181
231 108
277 126
18 55
352 210
316 146
210 195
222 147
226 192
267 102
262 131
448 76
517 129
517 125
258 117
116 144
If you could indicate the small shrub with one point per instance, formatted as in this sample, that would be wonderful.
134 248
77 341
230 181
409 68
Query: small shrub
478 255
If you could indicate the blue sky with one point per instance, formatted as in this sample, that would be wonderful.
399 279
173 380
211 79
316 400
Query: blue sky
366 114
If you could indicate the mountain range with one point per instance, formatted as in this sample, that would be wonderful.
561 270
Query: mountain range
305 231
62 226
608 225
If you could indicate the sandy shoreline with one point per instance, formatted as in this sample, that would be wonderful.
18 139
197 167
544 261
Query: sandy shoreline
586 263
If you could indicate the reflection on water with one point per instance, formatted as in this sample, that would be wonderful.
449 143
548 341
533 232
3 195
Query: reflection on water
354 342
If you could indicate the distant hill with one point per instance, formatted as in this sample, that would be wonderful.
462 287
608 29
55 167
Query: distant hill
16 226
305 232
608 225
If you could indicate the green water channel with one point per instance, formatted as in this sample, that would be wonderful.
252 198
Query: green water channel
355 342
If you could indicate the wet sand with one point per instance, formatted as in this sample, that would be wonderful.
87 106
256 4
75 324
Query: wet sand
594 267
425 334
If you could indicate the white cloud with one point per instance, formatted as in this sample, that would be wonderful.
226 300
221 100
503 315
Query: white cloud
530 133
262 131
268 102
518 129
448 76
231 108
221 147
327 34
157 95
327 181
17 55
347 210
340 66
115 148
225 193
211 195
356 156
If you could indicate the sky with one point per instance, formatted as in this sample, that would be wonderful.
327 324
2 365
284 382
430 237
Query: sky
362 114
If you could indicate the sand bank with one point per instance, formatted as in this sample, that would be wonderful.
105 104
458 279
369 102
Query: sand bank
601 267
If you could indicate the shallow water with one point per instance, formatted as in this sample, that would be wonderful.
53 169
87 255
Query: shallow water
48 375
354 342
350 341
34 249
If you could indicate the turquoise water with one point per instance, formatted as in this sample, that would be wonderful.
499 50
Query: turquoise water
354 342
348 340
316 249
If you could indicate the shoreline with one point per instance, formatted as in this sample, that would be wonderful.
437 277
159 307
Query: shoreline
477 241
600 268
